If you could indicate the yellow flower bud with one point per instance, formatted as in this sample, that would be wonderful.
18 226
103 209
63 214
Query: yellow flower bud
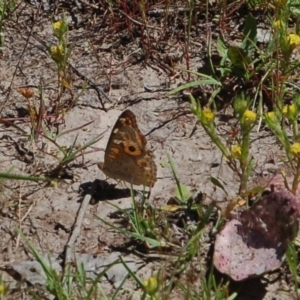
271 114
278 24
59 28
289 111
293 40
249 117
271 119
236 151
151 286
208 115
57 25
295 149
57 52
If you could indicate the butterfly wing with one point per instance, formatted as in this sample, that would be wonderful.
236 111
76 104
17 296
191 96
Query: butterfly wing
126 156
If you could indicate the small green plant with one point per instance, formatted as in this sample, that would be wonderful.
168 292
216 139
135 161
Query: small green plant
186 257
143 224
67 155
270 71
72 283
276 121
43 127
5 7
237 155
189 252
182 193
60 54
237 60
213 290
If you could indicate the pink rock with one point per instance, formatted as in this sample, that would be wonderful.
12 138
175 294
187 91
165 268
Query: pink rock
257 242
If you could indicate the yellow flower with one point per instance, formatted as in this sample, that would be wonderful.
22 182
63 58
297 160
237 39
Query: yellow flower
293 40
2 288
236 151
151 286
289 111
295 149
249 117
208 115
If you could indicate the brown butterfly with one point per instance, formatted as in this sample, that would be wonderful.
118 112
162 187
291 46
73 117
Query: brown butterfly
126 156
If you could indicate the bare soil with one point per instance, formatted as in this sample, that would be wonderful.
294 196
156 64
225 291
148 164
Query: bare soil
134 66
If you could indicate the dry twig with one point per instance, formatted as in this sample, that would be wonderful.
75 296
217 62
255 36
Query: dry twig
69 249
